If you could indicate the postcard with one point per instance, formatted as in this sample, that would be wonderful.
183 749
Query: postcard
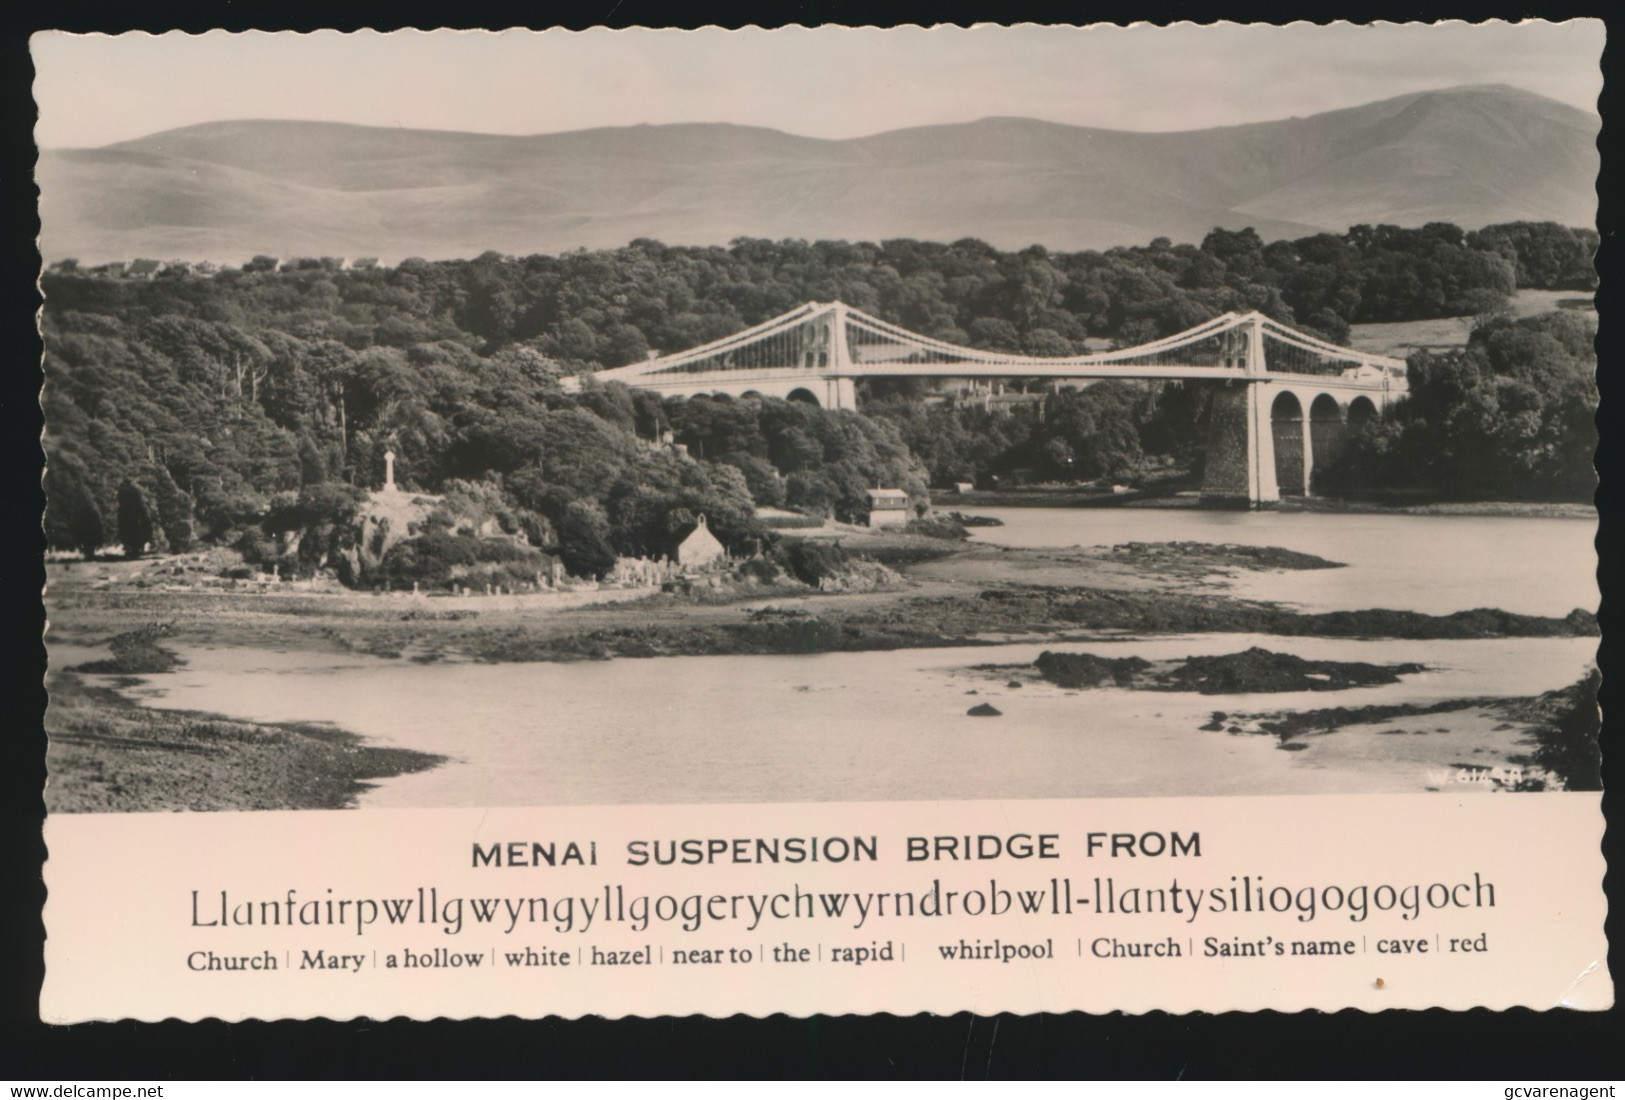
821 520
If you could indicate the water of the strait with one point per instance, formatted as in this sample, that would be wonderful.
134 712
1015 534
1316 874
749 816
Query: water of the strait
893 725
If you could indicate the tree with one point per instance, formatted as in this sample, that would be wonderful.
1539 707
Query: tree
995 333
72 520
765 484
324 522
584 544
1508 417
1240 251
1090 433
1047 343
1547 255
312 462
174 512
135 522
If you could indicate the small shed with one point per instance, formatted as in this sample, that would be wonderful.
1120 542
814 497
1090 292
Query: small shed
888 508
698 547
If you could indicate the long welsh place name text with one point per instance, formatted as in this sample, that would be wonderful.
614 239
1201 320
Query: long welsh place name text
452 913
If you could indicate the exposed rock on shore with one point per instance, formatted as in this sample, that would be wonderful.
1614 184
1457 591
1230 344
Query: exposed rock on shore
1564 725
1262 670
917 622
1187 613
1208 555
135 653
1568 724
1256 670
1085 670
1306 722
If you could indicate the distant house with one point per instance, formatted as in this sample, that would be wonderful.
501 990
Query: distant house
963 487
143 269
697 547
888 508
364 263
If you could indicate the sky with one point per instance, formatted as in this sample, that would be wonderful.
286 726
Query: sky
824 82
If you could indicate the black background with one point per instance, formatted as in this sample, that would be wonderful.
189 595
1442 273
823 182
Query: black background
1473 1045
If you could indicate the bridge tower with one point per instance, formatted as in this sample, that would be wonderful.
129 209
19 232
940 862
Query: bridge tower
1241 435
840 389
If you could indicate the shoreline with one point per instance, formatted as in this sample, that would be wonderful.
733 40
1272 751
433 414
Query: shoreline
1061 496
109 752
1562 728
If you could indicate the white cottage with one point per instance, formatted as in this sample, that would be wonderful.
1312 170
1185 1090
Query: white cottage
888 508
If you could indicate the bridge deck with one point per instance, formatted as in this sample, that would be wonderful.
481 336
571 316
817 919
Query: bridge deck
1191 373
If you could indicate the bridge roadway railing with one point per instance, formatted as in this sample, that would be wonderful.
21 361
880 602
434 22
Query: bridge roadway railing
1173 372
1030 368
734 377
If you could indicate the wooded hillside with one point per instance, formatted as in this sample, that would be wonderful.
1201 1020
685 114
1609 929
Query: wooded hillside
209 401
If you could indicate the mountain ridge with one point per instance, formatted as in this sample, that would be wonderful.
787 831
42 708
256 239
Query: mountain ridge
229 189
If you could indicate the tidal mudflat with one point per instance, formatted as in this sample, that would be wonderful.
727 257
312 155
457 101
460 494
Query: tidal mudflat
601 696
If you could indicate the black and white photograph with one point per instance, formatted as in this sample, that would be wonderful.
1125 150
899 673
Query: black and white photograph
818 415
995 519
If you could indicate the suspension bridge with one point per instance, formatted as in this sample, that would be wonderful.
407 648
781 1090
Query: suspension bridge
1283 400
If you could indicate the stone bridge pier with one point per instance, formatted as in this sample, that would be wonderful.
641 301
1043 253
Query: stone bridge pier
1267 440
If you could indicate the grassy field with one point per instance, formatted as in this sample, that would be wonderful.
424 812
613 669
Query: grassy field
1400 338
